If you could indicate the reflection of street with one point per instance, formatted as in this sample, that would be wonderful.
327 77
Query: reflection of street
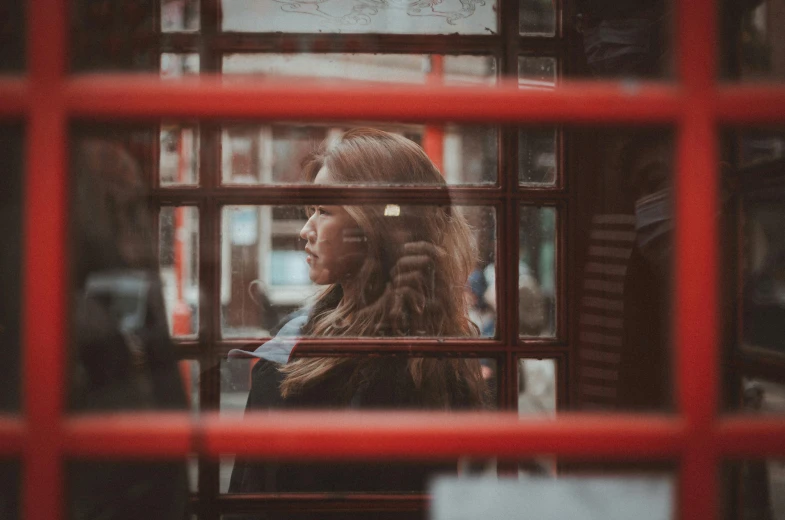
233 402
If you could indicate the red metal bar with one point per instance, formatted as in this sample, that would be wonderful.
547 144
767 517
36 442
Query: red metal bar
751 103
298 99
695 287
130 435
44 307
423 436
754 437
14 96
12 433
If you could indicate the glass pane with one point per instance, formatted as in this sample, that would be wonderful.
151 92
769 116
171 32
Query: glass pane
179 268
253 154
536 72
12 36
623 268
537 157
537 272
575 497
114 35
754 490
10 480
177 65
11 204
755 49
624 39
763 396
536 387
122 357
764 277
537 161
537 17
269 279
342 16
179 15
363 382
392 68
179 155
124 489
761 146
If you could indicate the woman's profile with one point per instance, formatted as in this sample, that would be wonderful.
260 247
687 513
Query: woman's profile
388 271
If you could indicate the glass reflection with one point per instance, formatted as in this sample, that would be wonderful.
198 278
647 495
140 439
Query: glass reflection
753 48
179 268
378 17
537 272
764 282
624 269
537 17
10 266
266 276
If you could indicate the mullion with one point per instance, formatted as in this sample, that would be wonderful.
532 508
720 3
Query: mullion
209 264
355 43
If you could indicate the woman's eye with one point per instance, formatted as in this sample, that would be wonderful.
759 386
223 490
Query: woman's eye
322 211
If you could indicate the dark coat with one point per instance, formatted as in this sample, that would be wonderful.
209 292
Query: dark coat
386 384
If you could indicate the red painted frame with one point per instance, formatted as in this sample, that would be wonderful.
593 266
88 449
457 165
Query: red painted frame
698 437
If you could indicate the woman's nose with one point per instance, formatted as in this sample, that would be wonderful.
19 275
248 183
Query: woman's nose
307 230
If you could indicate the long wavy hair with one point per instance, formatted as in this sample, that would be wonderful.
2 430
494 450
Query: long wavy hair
370 156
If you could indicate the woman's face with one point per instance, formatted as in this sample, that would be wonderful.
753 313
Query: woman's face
335 244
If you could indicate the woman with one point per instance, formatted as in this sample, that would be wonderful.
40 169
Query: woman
388 271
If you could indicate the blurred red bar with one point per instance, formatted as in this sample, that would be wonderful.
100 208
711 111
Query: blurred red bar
695 283
753 437
14 97
45 285
12 433
293 99
423 436
751 104
130 435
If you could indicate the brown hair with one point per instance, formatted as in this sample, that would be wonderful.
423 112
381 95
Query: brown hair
370 156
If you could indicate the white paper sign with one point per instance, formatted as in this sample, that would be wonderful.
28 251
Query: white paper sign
573 498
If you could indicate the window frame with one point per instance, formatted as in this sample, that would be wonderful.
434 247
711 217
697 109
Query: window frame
47 99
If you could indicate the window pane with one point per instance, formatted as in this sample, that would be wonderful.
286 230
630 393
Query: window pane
11 203
761 146
536 72
179 264
754 489
762 396
753 48
537 148
537 160
623 268
12 36
537 17
392 68
179 15
537 272
125 489
764 281
253 154
176 65
268 279
114 35
577 497
536 387
179 155
341 16
121 355
10 480
624 39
